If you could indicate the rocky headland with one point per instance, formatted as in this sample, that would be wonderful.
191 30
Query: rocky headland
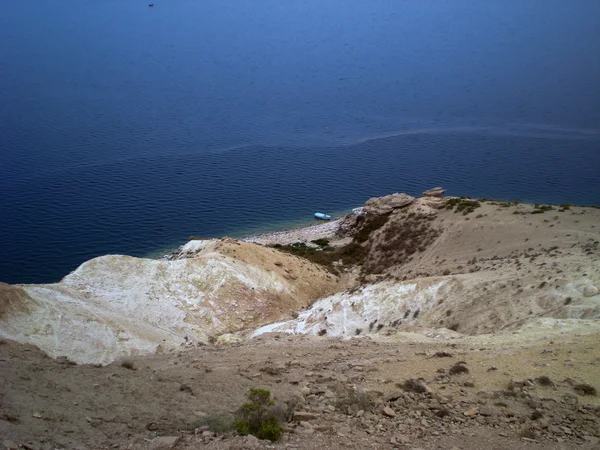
431 322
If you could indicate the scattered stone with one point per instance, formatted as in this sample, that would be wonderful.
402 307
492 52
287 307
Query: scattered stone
300 416
387 411
305 391
344 431
486 411
471 412
404 440
165 442
590 290
186 388
10 445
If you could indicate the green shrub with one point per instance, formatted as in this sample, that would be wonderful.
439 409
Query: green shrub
322 242
256 416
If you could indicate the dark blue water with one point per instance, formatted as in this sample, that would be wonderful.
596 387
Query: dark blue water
126 129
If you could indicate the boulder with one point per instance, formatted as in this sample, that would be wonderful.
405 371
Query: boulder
385 205
434 192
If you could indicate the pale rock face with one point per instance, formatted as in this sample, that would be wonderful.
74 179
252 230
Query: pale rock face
116 306
366 310
590 290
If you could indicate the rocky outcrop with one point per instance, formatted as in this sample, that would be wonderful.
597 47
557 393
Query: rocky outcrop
114 306
434 192
385 205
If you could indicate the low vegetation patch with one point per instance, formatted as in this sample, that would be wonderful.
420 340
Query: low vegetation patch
413 385
544 381
378 244
541 209
257 417
458 368
585 389
462 205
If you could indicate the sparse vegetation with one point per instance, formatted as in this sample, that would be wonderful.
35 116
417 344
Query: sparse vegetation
458 368
413 385
127 364
256 416
442 355
528 433
321 242
453 327
462 205
544 381
541 209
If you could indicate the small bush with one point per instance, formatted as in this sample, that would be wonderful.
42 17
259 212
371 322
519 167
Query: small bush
568 300
528 433
413 385
535 415
128 365
454 327
458 368
442 355
322 332
544 380
585 389
256 417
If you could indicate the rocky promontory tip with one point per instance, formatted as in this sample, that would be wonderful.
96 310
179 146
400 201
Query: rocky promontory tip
434 192
385 205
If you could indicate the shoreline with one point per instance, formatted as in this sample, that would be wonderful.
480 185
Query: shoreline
325 230
295 234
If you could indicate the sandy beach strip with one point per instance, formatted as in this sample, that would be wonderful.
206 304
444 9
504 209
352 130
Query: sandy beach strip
326 230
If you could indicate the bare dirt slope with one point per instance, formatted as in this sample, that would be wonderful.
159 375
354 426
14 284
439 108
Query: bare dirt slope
343 387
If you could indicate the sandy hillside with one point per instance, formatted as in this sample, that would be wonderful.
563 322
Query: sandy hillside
431 323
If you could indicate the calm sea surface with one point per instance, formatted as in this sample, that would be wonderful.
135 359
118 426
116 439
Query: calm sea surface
126 129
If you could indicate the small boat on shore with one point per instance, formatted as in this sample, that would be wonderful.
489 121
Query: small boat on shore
322 216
